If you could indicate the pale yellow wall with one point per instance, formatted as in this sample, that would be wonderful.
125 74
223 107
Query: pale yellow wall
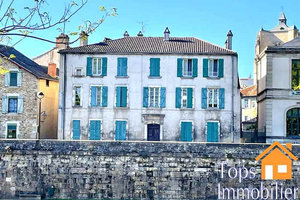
251 110
48 57
50 105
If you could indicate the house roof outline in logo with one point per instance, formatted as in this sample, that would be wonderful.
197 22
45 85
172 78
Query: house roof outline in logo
276 162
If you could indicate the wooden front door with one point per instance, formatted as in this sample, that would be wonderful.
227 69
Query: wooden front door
153 132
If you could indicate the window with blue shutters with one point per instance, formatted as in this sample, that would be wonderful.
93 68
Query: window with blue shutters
213 98
154 97
13 78
154 67
187 67
212 131
122 67
120 130
76 129
99 96
213 68
95 129
184 98
121 96
186 131
96 66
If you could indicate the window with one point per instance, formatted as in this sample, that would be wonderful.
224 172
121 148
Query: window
184 97
47 83
187 67
122 67
212 131
77 96
296 74
12 105
186 131
78 72
97 66
154 67
154 97
245 103
95 130
120 131
213 68
253 104
121 96
293 122
13 79
76 129
213 98
96 94
11 131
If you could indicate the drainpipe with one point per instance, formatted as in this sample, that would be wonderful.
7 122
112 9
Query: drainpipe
64 94
232 99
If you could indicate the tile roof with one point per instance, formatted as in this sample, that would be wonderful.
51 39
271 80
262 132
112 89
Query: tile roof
249 91
151 45
25 62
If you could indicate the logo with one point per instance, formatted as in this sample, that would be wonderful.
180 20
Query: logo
276 162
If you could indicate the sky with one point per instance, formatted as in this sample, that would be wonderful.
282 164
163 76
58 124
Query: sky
209 20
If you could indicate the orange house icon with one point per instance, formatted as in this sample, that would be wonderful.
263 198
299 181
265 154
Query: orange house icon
276 162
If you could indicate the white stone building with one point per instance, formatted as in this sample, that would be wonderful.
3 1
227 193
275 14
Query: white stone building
150 88
277 67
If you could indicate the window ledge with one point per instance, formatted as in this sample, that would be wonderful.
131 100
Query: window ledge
213 109
121 108
76 106
122 76
95 107
97 76
187 77
213 78
187 109
78 76
154 77
154 108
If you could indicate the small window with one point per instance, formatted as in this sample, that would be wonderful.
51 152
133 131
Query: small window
187 67
77 92
97 67
11 131
78 72
184 98
47 83
213 98
12 105
213 68
13 79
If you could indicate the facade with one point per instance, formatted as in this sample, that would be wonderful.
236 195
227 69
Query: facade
149 88
277 67
246 82
20 111
249 108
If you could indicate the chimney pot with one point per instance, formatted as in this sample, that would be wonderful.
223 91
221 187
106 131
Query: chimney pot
140 34
228 42
126 34
52 69
167 34
83 38
62 41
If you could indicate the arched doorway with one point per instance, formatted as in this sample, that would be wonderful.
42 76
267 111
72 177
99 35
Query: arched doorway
293 122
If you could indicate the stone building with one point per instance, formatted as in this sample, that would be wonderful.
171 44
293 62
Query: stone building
21 114
277 65
150 88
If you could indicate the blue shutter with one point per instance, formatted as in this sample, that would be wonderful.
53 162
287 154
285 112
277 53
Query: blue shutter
19 79
178 98
118 97
120 133
92 130
163 97
145 97
104 96
93 96
98 130
212 131
104 66
76 129
4 104
20 104
154 66
195 67
7 79
221 68
221 98
89 61
124 97
122 67
190 98
204 98
186 131
179 67
205 67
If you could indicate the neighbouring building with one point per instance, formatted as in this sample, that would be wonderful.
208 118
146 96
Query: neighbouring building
21 112
150 88
246 82
277 67
249 108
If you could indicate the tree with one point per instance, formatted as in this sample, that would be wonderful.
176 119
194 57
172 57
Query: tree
34 18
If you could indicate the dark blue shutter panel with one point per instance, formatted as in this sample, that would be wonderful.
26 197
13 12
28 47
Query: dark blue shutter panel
186 131
163 97
221 98
195 67
104 96
93 96
97 135
205 67
76 129
92 129
120 133
212 131
178 98
145 97
122 67
154 66
104 66
89 66
118 97
204 98
123 96
190 98
179 67
221 68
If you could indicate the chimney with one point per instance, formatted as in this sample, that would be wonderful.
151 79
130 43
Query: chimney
126 34
140 34
52 69
167 34
62 41
83 38
228 42
289 146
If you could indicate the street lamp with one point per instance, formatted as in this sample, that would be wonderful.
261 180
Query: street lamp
40 96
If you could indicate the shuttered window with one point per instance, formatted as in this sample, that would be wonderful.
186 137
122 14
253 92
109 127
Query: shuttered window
186 131
154 97
213 98
96 66
154 67
187 67
76 129
95 130
121 96
213 68
184 98
99 96
212 131
120 130
122 67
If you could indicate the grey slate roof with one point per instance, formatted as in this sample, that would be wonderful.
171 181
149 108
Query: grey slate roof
292 46
151 45
25 62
